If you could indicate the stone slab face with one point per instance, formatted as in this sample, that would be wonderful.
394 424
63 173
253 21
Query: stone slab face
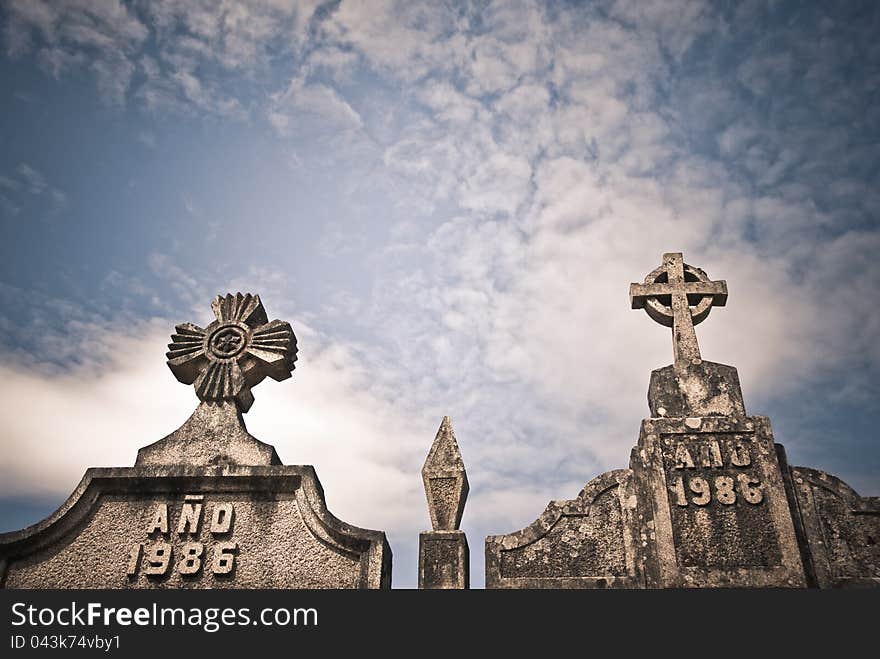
214 434
720 512
444 560
703 389
195 527
841 529
703 505
587 542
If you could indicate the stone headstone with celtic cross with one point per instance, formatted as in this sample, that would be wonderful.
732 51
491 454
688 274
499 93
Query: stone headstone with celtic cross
712 476
208 506
708 500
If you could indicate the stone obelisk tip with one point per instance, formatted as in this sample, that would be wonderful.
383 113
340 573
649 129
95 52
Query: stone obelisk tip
445 479
444 557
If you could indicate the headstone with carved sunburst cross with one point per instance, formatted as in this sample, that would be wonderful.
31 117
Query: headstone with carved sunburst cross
208 506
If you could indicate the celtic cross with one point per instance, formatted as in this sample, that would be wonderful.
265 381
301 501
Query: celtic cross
234 353
679 296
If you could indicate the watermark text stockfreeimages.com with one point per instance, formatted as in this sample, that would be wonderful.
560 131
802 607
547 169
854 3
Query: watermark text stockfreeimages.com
210 619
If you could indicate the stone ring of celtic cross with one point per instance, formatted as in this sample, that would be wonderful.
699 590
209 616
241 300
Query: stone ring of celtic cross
660 308
227 341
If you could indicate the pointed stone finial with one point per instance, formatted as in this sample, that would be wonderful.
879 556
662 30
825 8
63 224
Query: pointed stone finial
444 557
446 484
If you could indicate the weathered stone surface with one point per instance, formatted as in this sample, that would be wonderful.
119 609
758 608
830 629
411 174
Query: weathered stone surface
667 296
444 560
720 514
208 506
445 479
249 527
234 353
587 542
215 434
841 528
701 389
224 361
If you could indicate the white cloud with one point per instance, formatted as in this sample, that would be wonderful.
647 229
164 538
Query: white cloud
148 139
58 61
303 104
675 25
184 285
400 37
74 32
28 188
499 184
237 35
35 181
111 38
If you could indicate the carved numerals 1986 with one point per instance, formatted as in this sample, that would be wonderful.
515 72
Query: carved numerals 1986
726 489
157 559
160 556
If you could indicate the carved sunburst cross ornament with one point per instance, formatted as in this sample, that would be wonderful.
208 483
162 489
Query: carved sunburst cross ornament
234 353
668 295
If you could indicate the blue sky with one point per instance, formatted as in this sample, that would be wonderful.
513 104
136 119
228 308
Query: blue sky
448 202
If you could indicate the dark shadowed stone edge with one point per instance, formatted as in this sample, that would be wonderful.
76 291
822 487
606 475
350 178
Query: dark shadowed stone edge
370 547
495 544
794 506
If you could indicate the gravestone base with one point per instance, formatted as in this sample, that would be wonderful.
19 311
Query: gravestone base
210 505
709 501
720 515
703 388
444 560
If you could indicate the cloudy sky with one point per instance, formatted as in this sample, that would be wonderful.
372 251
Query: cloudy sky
448 202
